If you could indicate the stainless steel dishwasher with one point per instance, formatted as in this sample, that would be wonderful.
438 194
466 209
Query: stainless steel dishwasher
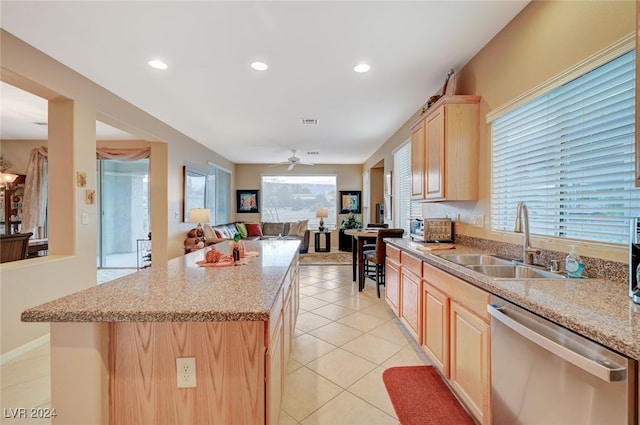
542 373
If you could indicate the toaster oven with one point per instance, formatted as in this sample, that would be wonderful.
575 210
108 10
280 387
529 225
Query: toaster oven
438 230
431 230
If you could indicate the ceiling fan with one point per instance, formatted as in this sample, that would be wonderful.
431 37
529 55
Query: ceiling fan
292 161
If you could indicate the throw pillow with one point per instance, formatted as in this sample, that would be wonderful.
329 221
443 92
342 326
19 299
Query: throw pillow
218 234
302 227
210 234
242 229
293 229
253 229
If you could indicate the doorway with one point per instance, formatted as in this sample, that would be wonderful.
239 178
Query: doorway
124 218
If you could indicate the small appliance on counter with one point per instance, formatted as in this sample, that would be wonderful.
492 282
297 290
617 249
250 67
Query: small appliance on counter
634 261
432 230
416 229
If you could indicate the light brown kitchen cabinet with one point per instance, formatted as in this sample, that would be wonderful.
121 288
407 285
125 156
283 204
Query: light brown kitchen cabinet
418 158
411 294
456 337
469 375
436 327
447 159
392 279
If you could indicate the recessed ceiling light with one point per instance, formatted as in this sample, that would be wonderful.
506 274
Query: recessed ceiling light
362 67
259 66
157 64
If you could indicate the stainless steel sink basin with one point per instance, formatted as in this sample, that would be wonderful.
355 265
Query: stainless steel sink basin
474 259
515 272
499 268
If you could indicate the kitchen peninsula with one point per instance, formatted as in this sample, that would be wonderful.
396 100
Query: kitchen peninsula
236 321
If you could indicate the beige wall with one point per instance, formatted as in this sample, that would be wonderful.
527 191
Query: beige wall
72 263
544 40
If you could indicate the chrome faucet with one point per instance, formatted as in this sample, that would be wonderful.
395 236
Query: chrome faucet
527 250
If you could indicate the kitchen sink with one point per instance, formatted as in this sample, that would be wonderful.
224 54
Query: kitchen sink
515 272
499 268
475 259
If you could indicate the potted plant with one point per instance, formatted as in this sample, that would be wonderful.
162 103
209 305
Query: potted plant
351 222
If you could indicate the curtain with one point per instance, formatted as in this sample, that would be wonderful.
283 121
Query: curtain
35 191
123 154
34 205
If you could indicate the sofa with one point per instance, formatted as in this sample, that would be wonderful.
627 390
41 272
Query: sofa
250 231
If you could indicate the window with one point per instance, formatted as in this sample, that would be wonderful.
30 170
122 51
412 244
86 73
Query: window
218 192
293 198
569 155
405 209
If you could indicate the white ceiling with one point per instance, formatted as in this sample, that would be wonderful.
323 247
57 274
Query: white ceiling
210 93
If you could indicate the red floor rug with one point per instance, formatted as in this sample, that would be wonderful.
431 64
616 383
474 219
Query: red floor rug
420 397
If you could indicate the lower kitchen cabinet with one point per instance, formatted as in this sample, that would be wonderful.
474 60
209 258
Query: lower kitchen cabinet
411 294
435 320
392 279
469 375
456 337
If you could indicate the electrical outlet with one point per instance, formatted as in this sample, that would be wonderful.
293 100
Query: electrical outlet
186 371
478 221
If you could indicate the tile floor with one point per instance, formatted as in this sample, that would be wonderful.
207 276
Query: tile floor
344 340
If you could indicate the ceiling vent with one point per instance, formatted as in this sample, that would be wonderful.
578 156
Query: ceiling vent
313 153
309 121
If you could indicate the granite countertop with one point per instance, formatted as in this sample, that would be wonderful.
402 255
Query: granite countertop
598 309
181 291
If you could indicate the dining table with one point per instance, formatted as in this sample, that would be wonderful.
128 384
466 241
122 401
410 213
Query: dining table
360 238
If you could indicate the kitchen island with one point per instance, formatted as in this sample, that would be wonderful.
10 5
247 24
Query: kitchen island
237 322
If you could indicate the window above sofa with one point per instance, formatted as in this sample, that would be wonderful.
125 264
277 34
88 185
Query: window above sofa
290 198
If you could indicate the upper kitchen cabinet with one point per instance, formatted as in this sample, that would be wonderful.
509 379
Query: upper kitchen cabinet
417 160
448 163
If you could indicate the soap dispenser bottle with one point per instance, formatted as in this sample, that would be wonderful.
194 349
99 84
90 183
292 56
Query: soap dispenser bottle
573 263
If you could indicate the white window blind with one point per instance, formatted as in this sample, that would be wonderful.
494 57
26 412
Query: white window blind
218 191
569 155
402 186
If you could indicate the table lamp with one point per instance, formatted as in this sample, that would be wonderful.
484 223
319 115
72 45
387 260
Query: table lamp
199 215
322 213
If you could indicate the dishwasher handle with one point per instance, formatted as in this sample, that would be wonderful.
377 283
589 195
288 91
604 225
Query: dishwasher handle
607 372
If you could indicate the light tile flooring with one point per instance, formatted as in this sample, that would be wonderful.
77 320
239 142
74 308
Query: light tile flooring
344 340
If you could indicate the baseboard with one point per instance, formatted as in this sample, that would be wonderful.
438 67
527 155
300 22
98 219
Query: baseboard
25 348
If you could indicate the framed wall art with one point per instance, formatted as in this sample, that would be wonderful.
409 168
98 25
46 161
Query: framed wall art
248 201
350 201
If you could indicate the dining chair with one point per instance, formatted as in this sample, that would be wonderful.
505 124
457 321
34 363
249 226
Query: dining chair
14 247
375 259
371 246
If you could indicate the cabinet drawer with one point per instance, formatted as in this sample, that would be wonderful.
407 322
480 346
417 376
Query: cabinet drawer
409 262
473 298
393 253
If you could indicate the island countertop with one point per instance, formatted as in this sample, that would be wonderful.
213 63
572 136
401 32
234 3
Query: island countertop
181 291
598 309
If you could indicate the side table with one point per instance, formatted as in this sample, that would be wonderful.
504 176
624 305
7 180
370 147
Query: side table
327 241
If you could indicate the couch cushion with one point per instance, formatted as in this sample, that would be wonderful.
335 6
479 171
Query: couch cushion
209 234
273 229
253 229
302 227
227 231
242 228
298 228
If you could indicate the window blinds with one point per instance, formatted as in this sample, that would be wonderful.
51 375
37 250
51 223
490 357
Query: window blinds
569 155
404 208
